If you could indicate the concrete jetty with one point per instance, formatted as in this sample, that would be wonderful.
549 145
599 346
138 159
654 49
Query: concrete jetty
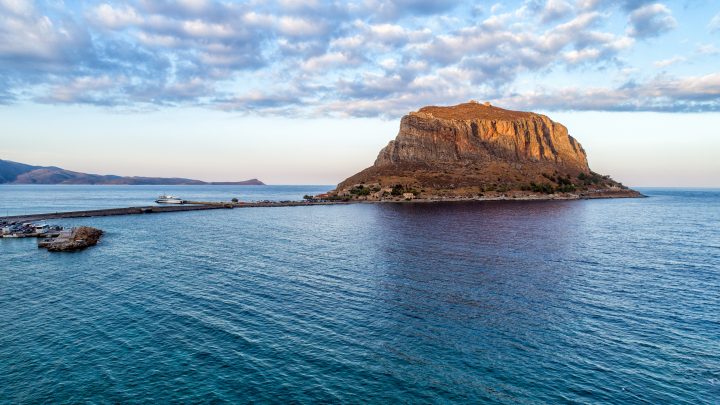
188 206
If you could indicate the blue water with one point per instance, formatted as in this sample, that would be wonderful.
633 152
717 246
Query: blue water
604 301
33 199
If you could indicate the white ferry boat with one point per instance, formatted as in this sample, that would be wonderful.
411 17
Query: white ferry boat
169 199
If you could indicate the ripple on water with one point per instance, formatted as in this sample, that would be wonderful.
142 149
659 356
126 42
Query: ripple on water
509 302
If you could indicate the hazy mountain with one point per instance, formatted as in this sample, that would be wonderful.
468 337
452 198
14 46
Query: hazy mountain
20 173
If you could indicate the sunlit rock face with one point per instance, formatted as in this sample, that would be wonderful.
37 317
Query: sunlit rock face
472 148
474 132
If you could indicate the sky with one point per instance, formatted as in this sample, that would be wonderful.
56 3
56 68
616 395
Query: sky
307 92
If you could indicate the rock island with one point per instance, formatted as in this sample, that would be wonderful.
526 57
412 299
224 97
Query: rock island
479 151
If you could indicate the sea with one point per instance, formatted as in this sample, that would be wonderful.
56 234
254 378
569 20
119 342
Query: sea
511 302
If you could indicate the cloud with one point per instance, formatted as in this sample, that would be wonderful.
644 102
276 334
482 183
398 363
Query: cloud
279 103
650 21
17 7
358 58
626 5
107 16
36 42
300 27
186 9
84 89
202 29
669 62
661 94
328 61
393 34
714 25
707 49
555 10
393 9
631 5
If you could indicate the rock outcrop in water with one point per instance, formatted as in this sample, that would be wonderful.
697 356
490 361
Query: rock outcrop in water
76 239
478 150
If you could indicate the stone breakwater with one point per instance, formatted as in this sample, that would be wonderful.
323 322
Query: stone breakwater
107 212
190 206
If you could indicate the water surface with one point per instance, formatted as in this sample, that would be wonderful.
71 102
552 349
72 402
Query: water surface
603 301
17 199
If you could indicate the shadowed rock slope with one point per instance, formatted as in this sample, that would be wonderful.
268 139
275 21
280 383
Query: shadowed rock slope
476 150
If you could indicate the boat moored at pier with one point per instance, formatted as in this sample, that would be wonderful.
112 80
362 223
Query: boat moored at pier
169 199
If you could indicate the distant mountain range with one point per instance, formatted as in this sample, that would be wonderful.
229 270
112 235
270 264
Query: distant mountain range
20 173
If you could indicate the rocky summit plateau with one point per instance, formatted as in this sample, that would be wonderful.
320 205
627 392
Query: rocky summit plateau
479 151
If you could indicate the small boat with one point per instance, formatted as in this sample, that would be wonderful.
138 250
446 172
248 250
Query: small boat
41 229
18 235
169 199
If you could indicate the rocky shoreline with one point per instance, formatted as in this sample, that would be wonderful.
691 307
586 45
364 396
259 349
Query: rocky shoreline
515 197
509 196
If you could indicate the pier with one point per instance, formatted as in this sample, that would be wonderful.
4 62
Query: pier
157 209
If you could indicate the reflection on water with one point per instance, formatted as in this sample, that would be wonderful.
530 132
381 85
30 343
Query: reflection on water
508 302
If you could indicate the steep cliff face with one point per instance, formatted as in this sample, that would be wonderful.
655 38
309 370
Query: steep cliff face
473 148
474 132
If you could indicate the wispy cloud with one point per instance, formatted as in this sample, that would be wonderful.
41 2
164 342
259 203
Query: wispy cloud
714 25
669 62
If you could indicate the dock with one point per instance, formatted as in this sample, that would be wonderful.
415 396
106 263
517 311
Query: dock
157 209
